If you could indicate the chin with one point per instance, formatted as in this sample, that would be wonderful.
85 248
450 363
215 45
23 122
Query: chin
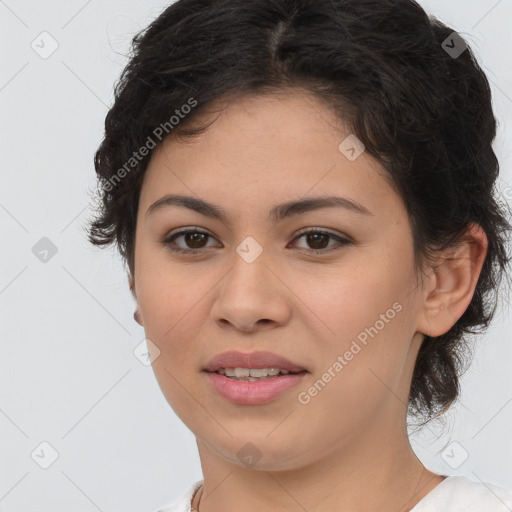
260 452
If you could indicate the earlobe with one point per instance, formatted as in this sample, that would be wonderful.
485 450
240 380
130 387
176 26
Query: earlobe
137 318
136 314
455 278
131 281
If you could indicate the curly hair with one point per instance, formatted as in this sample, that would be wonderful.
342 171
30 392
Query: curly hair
383 68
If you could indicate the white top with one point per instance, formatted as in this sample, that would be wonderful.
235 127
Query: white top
453 494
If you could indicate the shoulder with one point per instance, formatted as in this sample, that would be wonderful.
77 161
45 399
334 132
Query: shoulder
182 504
453 494
460 494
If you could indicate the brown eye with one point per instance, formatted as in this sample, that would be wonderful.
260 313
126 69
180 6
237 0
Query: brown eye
318 240
193 239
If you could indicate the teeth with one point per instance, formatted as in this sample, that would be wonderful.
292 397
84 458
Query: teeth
242 372
251 372
261 372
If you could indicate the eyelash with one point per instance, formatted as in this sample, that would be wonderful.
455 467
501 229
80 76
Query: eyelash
169 239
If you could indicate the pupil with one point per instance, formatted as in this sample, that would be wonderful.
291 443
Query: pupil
197 237
318 235
314 239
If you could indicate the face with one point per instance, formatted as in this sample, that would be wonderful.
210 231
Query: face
342 303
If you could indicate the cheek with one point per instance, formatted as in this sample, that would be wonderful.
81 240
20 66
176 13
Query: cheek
165 292
365 317
174 307
361 367
346 302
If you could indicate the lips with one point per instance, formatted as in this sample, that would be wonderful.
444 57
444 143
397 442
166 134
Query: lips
261 392
237 359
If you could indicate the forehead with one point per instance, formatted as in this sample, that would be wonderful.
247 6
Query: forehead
266 149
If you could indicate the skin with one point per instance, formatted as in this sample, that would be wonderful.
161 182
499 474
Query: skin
348 448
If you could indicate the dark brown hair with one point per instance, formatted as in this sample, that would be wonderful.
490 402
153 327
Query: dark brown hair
383 68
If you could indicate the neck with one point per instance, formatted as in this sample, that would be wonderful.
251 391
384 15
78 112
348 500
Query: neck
360 475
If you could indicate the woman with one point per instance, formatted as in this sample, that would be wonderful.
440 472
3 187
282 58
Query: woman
303 193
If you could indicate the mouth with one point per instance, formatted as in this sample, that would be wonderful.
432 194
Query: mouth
252 364
253 378
255 374
247 390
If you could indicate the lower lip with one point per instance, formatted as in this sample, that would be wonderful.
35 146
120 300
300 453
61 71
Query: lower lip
255 392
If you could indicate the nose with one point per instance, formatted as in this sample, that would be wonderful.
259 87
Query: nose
252 296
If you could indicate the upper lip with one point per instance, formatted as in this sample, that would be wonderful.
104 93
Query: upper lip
236 359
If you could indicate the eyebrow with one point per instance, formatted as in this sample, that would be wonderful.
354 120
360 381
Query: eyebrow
277 213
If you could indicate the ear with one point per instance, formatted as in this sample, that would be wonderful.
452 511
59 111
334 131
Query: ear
136 315
452 283
131 280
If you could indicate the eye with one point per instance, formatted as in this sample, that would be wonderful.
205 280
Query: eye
195 239
193 236
316 238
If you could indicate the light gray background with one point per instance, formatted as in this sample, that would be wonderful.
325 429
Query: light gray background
68 375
